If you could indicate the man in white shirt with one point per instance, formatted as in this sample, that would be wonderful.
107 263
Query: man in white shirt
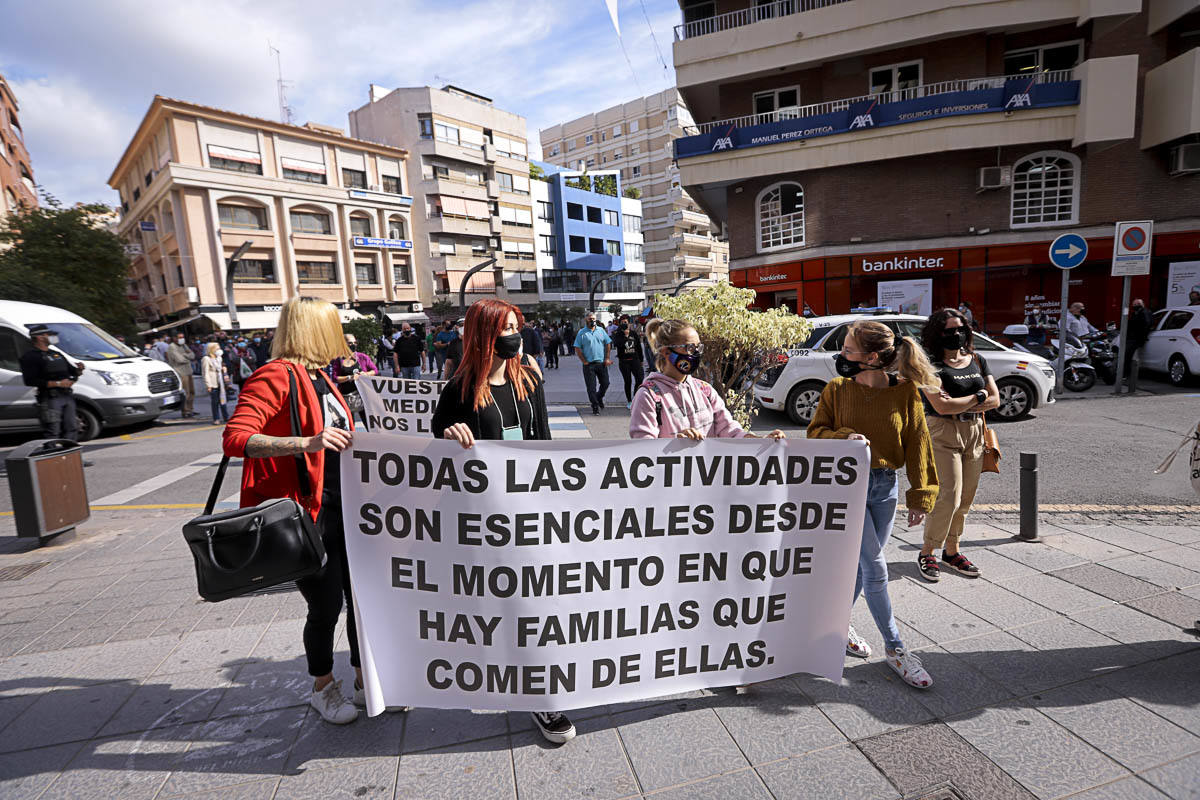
1077 323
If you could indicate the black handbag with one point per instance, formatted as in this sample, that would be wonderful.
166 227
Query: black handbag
242 551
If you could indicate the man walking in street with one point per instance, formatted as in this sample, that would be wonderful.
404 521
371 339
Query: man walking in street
407 353
440 342
180 357
531 341
53 376
1138 332
592 346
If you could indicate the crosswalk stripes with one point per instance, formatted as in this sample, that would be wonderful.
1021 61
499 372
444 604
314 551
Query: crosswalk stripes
159 481
565 423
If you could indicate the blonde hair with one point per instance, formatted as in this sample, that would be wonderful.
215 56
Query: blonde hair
211 348
903 356
665 333
309 333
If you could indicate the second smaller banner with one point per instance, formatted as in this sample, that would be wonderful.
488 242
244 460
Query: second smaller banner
400 405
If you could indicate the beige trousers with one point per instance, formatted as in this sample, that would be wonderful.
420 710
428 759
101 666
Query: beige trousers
958 456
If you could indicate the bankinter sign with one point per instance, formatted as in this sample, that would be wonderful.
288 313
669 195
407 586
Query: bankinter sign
889 263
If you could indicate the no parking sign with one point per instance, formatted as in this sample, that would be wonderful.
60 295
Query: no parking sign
1131 248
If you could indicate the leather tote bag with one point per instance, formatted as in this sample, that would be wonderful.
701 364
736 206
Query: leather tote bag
242 551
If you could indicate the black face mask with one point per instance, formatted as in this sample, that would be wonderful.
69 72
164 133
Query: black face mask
508 346
591 323
847 368
624 326
954 339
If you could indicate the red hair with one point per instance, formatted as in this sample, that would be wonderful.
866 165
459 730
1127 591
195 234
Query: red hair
485 321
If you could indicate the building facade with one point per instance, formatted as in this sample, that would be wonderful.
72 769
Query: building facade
16 171
470 176
325 215
851 145
637 138
584 235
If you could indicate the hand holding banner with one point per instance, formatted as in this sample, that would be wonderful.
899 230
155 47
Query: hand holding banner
553 575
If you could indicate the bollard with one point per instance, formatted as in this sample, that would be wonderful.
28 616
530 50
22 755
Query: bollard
1029 497
1134 363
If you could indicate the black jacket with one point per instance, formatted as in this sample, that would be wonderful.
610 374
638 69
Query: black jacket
627 345
39 367
451 408
1139 327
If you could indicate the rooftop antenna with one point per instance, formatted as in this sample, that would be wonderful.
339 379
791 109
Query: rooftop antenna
285 111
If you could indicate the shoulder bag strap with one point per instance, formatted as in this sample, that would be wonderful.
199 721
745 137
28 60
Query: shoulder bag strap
216 487
294 403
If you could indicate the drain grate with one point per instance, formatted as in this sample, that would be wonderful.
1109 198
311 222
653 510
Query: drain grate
18 571
944 791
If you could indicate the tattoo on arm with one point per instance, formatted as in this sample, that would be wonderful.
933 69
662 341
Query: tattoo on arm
262 446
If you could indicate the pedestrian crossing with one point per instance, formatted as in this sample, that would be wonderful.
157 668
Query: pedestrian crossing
565 423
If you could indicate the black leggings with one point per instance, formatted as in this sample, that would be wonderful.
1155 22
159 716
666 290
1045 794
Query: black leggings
631 371
324 592
552 356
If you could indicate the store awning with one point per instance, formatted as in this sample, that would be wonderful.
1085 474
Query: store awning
411 317
263 320
168 326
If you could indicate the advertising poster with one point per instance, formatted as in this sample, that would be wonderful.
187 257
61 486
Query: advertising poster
1183 278
907 297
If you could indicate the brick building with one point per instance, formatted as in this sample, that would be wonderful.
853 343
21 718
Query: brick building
16 174
848 144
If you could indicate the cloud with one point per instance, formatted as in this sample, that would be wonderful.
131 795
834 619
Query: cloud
84 73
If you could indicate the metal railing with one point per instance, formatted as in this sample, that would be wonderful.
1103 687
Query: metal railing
748 16
909 93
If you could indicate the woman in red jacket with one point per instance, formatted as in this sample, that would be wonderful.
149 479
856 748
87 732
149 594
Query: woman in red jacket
309 336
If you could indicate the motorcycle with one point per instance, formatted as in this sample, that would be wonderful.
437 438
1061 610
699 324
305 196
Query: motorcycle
1103 355
1078 373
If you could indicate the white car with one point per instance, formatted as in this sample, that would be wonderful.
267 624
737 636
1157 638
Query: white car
1025 381
1173 346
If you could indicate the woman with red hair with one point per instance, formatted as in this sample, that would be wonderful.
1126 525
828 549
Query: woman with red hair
497 393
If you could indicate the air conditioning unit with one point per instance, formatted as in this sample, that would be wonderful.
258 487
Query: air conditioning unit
375 187
994 178
1185 158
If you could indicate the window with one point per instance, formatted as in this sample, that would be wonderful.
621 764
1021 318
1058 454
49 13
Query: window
250 217
1063 55
364 272
254 270
440 171
616 155
781 217
896 82
616 131
633 252
578 245
354 178
1045 189
401 274
149 177
397 228
570 145
773 100
603 159
593 214
293 173
445 247
234 160
612 248
637 171
574 211
547 244
633 126
391 184
505 180
634 149
611 217
1176 321
473 175
12 346
554 151
360 225
633 223
137 194
589 139
478 246
310 222
316 271
591 162
168 221
545 211
425 122
445 133
604 136
596 246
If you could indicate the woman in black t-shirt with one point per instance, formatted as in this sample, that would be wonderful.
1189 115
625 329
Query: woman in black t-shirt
954 414
627 343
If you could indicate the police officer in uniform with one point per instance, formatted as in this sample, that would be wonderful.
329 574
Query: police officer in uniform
53 375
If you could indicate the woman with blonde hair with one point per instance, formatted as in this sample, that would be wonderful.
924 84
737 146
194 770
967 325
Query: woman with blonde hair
309 336
877 399
671 403
212 368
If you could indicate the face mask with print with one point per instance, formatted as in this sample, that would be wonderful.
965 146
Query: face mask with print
684 362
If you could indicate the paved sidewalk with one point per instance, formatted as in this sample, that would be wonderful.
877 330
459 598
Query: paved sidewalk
1069 670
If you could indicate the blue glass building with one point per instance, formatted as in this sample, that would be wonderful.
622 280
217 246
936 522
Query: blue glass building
587 226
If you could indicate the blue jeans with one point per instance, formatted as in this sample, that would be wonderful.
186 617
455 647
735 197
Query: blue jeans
872 580
214 395
411 373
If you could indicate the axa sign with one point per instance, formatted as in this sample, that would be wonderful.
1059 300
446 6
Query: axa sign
862 117
723 143
1018 93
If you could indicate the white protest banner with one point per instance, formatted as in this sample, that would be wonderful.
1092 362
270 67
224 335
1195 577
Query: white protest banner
557 575
399 405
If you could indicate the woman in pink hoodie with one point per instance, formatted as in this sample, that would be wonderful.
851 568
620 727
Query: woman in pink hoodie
671 403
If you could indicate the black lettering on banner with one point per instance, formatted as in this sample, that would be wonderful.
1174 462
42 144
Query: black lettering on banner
703 567
408 573
680 661
757 565
623 671
847 470
501 678
729 612
371 524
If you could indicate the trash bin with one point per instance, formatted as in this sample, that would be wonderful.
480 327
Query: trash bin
49 494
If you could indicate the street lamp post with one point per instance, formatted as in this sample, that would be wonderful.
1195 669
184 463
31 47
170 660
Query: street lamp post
591 306
675 291
230 268
462 287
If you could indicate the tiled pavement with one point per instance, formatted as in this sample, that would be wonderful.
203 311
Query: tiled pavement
1069 670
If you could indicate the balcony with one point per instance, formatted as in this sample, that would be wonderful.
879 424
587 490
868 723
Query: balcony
693 264
459 152
1171 108
685 216
794 34
460 225
471 190
692 241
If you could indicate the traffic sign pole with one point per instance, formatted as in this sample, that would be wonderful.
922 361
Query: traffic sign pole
1062 334
1066 252
1132 242
1124 338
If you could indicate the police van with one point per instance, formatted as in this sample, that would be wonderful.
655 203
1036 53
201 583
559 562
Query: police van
118 386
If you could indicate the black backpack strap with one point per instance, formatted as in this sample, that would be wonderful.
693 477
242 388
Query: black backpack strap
658 406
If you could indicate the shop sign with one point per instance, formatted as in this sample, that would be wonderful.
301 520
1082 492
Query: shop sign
775 274
890 263
371 241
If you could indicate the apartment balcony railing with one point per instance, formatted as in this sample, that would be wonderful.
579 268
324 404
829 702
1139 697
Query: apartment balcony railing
897 95
748 16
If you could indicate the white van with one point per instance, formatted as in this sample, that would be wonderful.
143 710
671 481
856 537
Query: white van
118 386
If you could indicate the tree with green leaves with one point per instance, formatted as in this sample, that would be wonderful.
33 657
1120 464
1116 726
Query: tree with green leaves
536 173
366 330
614 309
633 193
739 343
57 256
580 182
442 307
605 184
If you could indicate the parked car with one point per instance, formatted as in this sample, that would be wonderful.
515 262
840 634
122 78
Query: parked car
118 387
1025 381
1173 346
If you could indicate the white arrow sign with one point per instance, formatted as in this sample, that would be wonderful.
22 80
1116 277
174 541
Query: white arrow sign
1069 252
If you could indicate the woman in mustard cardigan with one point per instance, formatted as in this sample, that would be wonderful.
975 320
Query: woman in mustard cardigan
871 403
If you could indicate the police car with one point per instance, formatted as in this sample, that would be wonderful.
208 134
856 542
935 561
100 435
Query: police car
1025 381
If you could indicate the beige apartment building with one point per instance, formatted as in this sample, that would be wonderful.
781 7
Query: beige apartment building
16 174
637 138
325 214
470 176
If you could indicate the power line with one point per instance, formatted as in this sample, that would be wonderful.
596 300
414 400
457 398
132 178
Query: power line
654 38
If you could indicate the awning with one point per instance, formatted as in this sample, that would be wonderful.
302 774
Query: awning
168 326
411 317
263 320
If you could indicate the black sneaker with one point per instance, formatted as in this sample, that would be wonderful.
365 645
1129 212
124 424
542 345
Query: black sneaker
595 411
929 567
959 562
555 727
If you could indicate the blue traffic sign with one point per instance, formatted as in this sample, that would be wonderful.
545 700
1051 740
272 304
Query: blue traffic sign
1068 251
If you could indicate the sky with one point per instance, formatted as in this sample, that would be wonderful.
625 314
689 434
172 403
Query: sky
84 73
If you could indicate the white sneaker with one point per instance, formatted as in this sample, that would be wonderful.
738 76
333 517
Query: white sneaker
856 645
360 700
332 705
908 666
